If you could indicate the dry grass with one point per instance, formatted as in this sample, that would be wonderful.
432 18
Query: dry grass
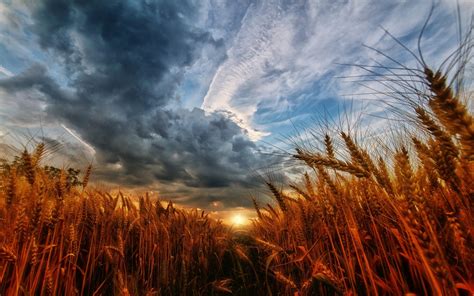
58 239
357 227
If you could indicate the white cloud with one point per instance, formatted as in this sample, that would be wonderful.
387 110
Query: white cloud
78 138
5 71
264 27
282 48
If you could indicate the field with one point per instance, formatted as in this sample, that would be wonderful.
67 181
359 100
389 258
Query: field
391 217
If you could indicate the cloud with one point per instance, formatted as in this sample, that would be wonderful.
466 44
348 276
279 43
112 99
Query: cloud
262 26
5 71
124 76
123 62
129 54
285 49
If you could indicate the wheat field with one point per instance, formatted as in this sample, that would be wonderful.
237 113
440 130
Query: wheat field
395 221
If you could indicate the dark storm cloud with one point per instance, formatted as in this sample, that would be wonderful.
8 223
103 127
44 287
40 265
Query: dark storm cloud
198 150
126 56
124 61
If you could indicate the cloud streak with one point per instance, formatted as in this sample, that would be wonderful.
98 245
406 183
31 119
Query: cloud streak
284 50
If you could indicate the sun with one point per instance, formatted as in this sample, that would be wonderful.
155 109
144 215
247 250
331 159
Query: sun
238 220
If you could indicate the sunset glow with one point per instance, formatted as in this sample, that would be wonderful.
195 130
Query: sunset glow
239 220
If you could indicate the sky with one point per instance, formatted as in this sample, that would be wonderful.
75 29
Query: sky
191 99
